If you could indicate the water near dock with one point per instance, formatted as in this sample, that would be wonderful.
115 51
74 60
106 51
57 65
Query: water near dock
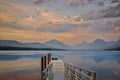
22 65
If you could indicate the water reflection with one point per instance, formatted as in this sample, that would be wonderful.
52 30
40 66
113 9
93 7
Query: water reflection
105 63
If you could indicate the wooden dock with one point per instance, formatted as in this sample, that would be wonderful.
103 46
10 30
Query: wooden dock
58 70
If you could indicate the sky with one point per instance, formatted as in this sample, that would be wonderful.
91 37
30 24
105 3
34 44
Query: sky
69 21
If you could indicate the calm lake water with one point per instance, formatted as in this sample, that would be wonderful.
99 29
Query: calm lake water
18 63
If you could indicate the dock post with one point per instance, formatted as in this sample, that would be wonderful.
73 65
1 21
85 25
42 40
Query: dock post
50 74
44 62
94 76
42 68
49 58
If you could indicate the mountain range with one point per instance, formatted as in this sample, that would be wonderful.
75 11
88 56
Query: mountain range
53 44
57 44
99 44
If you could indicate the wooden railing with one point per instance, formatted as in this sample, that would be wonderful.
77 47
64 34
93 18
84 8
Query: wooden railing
47 73
75 73
46 68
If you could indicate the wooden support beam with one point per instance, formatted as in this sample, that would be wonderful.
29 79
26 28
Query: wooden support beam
44 62
45 66
42 67
48 58
94 76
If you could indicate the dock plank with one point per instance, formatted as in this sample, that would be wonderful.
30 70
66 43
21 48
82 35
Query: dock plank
59 76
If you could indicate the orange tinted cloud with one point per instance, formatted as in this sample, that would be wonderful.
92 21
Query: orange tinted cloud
5 17
27 22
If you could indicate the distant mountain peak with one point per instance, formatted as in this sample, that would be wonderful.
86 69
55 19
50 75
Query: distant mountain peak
85 42
57 44
96 44
54 40
33 43
10 43
98 41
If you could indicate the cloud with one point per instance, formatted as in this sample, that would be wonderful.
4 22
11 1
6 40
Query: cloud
41 1
101 26
117 26
78 21
76 3
7 20
14 26
73 23
97 26
114 1
78 18
95 9
111 11
5 17
38 1
72 19
58 27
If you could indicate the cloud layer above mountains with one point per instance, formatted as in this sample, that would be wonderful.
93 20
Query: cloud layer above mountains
70 21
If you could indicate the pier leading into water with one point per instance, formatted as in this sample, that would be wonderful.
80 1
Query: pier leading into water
55 69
